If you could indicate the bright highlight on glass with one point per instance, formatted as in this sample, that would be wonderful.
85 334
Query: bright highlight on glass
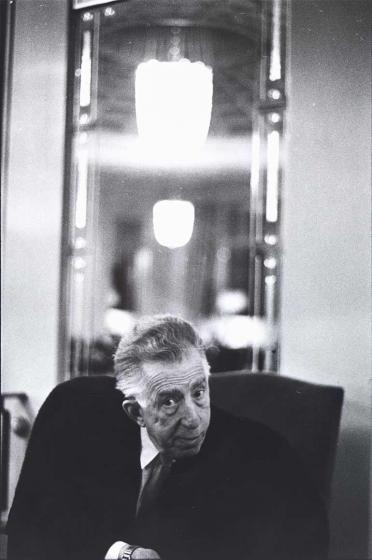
273 162
82 190
86 69
173 105
255 167
270 282
173 222
275 64
270 239
270 263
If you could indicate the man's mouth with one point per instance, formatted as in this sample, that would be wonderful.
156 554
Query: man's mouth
189 440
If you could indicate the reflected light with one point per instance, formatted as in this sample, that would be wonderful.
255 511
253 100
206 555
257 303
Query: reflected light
118 322
82 190
231 301
271 239
275 64
273 151
173 222
123 151
274 118
143 259
270 263
173 105
79 263
270 280
274 94
255 167
86 70
80 243
238 331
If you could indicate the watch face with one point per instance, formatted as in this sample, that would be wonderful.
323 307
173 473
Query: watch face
127 553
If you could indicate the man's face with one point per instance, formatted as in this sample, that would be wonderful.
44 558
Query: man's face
177 411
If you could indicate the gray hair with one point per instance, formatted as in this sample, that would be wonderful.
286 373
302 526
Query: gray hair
165 338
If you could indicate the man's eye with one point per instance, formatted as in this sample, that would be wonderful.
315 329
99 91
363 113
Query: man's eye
199 393
169 403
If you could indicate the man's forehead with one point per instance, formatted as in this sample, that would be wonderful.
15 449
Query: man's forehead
161 374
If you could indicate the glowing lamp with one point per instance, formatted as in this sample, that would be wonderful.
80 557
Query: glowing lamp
173 222
173 105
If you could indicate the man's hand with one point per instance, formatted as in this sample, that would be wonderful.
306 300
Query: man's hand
134 552
145 554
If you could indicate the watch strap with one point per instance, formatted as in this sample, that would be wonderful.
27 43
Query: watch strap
127 551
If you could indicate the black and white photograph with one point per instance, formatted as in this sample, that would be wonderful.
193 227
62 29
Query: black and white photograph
186 295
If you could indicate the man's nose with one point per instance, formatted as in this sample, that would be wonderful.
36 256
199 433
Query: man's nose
190 417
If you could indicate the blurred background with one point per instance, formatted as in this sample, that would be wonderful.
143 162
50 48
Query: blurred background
244 204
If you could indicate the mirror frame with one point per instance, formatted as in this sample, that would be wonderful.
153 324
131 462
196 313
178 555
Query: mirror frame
265 184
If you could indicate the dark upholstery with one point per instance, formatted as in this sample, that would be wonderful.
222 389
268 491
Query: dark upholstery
306 414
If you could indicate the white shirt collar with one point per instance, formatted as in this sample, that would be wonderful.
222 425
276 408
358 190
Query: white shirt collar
149 451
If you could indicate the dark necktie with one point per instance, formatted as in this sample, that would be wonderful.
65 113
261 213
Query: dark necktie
153 477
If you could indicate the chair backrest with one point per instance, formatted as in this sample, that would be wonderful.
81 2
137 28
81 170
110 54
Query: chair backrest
306 414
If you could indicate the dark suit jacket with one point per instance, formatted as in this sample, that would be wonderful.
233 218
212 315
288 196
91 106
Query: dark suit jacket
244 495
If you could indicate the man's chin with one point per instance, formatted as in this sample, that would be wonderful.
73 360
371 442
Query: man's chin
188 450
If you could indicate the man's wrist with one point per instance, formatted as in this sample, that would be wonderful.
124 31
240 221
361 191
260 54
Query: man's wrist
114 550
126 551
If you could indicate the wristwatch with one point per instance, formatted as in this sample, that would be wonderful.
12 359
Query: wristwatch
127 551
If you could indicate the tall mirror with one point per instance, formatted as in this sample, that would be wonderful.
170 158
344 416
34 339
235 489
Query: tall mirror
174 181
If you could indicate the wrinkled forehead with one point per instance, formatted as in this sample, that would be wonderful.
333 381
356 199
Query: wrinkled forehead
161 375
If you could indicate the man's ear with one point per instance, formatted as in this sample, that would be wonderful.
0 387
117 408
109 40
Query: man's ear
133 409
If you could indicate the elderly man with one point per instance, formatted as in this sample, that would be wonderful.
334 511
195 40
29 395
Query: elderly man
142 467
